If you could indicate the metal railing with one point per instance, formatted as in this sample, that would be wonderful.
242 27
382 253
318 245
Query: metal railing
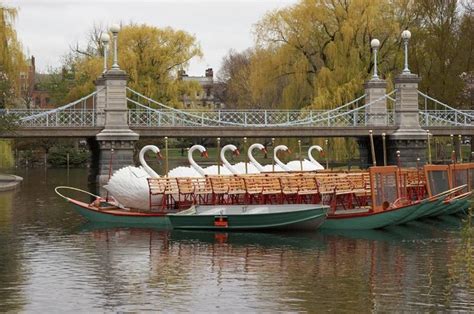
82 114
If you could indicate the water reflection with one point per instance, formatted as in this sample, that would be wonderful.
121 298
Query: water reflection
48 252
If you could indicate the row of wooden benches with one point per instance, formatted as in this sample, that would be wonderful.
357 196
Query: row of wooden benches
337 189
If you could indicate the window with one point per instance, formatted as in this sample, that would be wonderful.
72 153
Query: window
47 100
37 101
208 92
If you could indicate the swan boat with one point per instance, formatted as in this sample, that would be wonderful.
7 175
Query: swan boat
385 203
391 207
129 185
101 210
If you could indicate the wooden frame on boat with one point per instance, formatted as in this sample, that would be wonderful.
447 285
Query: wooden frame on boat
381 179
430 170
462 174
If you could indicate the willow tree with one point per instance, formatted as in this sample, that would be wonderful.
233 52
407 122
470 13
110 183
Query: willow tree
12 59
443 48
151 56
322 48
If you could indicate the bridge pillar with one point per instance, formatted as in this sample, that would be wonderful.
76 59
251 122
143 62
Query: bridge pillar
409 138
100 100
377 112
116 134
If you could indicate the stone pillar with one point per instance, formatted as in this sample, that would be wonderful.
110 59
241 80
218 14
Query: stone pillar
377 112
409 138
100 100
116 134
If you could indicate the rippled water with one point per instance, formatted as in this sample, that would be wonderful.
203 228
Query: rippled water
53 261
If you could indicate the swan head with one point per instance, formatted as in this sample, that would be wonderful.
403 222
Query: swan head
156 150
317 147
201 149
259 146
282 147
233 148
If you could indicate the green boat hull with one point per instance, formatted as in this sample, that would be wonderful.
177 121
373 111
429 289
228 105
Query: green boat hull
375 220
292 220
458 206
159 221
423 208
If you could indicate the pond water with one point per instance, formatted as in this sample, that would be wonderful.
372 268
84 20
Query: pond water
51 260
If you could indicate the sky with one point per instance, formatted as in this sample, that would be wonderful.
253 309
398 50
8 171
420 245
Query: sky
47 28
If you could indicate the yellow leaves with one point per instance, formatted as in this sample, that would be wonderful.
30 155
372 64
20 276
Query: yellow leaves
151 57
322 47
12 59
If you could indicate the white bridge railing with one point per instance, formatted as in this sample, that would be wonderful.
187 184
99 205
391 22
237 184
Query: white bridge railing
82 113
348 115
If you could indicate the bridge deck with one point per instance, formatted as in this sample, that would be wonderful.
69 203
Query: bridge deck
173 132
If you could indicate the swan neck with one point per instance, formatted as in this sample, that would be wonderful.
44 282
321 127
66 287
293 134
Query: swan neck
278 161
253 160
193 163
310 156
225 162
148 169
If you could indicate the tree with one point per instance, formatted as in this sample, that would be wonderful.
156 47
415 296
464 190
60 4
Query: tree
151 57
440 64
12 59
234 76
322 48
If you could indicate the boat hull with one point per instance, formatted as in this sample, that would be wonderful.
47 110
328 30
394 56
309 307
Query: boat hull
292 220
118 216
371 220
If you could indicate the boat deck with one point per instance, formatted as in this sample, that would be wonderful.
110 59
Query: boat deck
352 211
250 209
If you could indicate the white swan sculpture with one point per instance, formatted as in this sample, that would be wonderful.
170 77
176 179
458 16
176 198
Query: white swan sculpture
308 165
310 156
194 170
253 166
279 165
227 168
129 185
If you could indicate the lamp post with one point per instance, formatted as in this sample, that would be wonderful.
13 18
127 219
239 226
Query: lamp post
114 29
384 147
218 160
460 148
105 38
166 157
406 35
372 148
326 141
246 155
429 146
375 44
273 149
299 154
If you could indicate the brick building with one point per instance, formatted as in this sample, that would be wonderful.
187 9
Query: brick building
32 95
205 98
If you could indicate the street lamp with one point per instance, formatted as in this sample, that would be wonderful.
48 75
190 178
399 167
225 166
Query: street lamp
406 35
105 38
114 29
375 44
